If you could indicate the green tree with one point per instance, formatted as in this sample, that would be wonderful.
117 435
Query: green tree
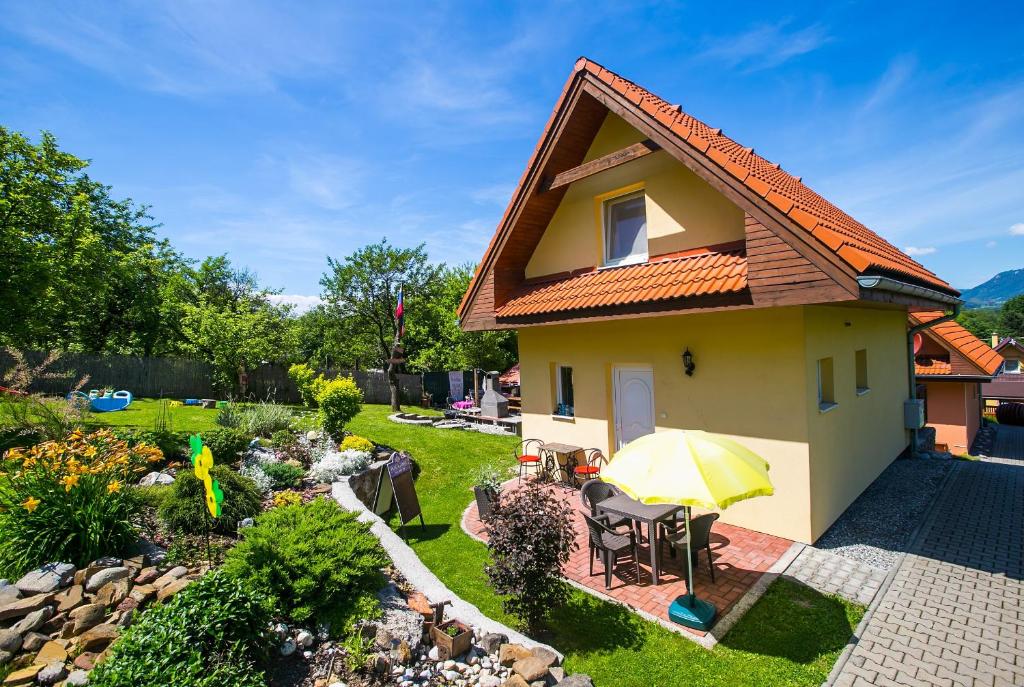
361 291
1011 318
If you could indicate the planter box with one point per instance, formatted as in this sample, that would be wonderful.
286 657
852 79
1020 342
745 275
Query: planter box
448 646
485 500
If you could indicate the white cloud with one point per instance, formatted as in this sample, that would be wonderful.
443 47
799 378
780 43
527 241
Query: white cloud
914 251
991 244
892 81
1017 229
765 47
302 303
498 194
330 181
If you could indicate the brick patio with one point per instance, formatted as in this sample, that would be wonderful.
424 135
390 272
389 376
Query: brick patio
741 556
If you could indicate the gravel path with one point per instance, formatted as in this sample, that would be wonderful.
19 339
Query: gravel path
875 529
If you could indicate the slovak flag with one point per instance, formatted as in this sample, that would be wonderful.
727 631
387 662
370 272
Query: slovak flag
400 312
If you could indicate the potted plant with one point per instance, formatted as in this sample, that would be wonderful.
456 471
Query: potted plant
487 490
452 638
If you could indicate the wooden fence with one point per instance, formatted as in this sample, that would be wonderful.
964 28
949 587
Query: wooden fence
188 378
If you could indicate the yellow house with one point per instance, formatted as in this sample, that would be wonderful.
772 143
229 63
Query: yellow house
661 276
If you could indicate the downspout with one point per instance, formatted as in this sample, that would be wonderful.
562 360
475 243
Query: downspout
894 286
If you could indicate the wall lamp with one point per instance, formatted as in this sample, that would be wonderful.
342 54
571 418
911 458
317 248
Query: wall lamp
688 364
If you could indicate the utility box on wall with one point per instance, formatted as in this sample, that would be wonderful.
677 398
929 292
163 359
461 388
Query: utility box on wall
913 413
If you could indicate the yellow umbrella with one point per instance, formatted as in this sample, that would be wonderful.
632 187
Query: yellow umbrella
689 468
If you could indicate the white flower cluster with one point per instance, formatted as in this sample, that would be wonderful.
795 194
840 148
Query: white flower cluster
334 465
252 467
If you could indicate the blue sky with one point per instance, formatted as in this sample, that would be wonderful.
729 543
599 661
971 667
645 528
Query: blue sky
284 132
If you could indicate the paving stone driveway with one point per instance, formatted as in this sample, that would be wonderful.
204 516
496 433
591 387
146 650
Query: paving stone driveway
954 613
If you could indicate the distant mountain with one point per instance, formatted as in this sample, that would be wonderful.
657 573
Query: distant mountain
996 290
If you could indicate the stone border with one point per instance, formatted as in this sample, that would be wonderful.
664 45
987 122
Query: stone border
725 622
420 577
927 518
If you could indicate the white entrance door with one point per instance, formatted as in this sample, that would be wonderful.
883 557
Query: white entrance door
634 403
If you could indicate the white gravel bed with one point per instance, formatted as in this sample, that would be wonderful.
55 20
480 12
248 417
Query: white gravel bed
875 529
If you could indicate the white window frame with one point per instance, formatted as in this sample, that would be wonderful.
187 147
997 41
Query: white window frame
1016 368
606 207
559 391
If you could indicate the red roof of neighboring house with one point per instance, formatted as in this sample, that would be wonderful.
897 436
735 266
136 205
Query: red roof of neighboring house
692 275
925 365
510 376
855 244
962 341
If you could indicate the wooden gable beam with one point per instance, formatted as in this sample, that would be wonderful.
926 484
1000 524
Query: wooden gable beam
605 162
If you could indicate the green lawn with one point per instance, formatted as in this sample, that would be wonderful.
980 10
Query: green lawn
791 637
142 413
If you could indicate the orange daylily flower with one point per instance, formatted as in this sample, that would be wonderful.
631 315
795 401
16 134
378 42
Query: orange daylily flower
31 503
114 487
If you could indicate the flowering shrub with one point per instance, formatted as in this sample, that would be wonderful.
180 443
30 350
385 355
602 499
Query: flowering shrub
331 467
339 400
261 479
358 443
288 497
69 500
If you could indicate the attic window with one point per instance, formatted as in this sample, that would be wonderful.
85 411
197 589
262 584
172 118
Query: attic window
625 230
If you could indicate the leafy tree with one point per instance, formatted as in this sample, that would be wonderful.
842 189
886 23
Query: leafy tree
1011 318
361 290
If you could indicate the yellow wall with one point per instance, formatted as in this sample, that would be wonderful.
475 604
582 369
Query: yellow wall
756 381
853 442
747 384
683 211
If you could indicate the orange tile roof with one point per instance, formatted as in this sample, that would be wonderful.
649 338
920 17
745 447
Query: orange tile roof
693 275
960 340
925 365
857 245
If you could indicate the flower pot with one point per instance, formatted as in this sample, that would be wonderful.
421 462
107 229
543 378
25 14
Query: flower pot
448 646
485 500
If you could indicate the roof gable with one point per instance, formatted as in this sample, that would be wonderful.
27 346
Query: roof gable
973 355
840 246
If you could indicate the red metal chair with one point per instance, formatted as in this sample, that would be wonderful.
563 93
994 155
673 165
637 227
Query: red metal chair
590 468
529 454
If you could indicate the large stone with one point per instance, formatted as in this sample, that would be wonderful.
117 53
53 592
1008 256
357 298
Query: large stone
173 588
33 641
492 641
54 624
170 576
52 673
48 578
5 657
142 593
51 651
113 593
86 617
77 678
98 638
9 593
70 599
22 607
10 641
531 669
577 680
547 655
147 575
489 681
510 653
85 660
104 575
25 676
156 478
33 621
515 681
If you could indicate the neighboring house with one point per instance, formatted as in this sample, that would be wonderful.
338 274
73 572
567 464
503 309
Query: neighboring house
1009 385
951 364
661 275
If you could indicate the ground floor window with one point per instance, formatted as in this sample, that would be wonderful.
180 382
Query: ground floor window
564 404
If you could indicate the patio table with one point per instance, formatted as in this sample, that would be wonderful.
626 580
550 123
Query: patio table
560 458
650 513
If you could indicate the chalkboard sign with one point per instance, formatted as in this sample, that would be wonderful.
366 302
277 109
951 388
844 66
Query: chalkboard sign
395 482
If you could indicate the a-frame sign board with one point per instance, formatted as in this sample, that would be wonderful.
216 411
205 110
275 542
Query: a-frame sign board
395 483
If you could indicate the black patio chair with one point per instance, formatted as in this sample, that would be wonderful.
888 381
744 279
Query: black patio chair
612 545
700 527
